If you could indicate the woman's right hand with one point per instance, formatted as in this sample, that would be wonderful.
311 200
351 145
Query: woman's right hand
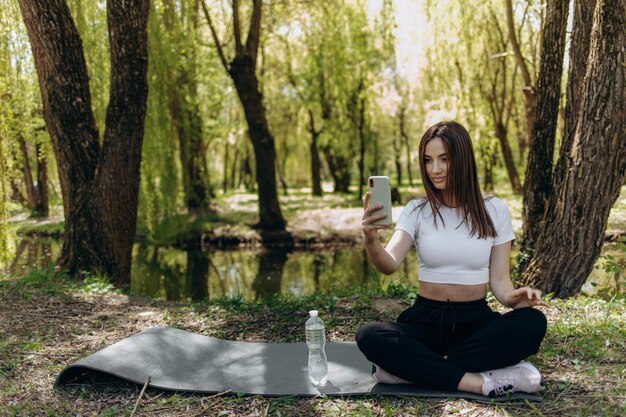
370 230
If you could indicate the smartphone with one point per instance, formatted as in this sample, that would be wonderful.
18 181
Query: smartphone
380 193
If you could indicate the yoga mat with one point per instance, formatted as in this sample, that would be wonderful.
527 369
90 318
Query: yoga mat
178 360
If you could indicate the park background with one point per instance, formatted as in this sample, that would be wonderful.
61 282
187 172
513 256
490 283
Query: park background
202 164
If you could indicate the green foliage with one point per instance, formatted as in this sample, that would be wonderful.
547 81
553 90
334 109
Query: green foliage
614 267
99 285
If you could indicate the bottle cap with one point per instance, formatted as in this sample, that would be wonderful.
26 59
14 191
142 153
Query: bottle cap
313 313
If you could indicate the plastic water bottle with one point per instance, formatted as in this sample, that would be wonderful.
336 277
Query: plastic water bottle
316 340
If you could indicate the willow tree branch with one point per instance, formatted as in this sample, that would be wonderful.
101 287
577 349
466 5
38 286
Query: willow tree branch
237 28
515 44
218 45
252 43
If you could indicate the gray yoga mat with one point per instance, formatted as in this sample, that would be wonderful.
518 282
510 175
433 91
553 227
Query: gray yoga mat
178 360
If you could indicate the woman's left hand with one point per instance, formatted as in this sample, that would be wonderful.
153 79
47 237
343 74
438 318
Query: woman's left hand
524 297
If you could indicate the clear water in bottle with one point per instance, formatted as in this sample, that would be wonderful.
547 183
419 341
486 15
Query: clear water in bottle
316 340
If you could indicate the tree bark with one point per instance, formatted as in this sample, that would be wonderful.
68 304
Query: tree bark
404 140
507 155
99 185
64 86
595 167
242 69
36 193
396 144
578 54
538 180
28 175
339 169
119 167
42 208
362 144
316 165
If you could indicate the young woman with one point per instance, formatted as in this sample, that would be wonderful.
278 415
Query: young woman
450 339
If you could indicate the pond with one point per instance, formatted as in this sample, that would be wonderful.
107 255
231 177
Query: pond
176 274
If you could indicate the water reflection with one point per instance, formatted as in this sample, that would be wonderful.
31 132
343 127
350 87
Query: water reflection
32 254
269 275
195 274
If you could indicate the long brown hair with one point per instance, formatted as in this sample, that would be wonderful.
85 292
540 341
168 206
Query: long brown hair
462 178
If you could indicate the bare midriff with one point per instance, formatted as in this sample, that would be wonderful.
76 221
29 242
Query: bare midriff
452 292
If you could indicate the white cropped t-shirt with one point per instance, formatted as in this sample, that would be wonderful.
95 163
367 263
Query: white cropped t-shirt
446 253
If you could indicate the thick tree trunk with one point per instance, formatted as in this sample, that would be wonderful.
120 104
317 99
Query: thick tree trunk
99 187
595 169
64 86
119 168
578 55
538 180
244 77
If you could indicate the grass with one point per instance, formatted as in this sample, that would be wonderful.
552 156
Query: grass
48 321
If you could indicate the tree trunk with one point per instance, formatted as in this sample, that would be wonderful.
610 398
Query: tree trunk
242 69
28 175
316 166
57 49
538 180
490 161
184 111
578 54
595 168
243 75
396 144
507 155
226 168
405 141
37 193
186 116
99 186
362 144
119 167
339 170
41 190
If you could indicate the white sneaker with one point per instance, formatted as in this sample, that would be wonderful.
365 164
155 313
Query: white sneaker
385 377
519 377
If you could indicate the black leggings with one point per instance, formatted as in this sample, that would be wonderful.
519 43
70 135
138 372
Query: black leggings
434 343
